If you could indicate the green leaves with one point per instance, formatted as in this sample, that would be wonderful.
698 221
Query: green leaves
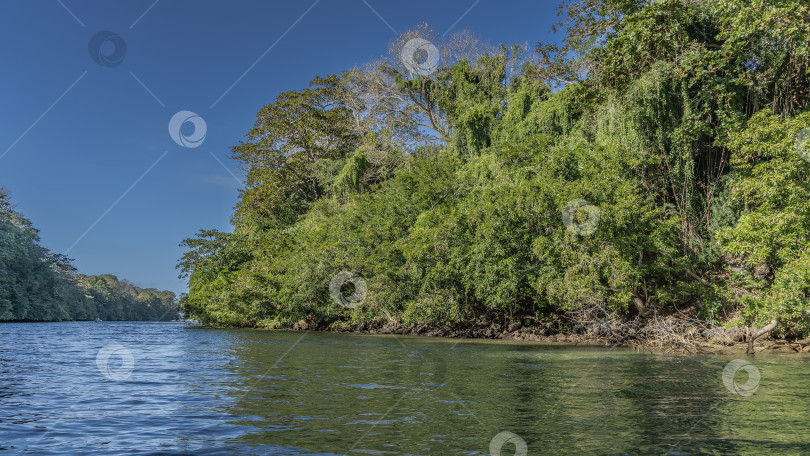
286 150
445 192
771 186
38 285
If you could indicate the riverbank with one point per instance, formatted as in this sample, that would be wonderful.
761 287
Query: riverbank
657 336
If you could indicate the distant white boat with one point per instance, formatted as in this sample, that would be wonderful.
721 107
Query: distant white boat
99 320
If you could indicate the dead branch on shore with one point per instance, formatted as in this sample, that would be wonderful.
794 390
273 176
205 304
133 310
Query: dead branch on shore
655 333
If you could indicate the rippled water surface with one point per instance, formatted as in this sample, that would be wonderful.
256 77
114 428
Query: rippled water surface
164 388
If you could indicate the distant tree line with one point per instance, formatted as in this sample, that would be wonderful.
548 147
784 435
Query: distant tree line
39 285
682 124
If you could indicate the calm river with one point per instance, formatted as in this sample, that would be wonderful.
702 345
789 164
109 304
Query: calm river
165 388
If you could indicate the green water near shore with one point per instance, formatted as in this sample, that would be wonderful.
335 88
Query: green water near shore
205 391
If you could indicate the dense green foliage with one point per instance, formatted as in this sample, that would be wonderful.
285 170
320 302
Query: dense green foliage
676 122
38 285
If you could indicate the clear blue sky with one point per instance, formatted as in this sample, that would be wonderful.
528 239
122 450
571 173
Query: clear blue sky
76 135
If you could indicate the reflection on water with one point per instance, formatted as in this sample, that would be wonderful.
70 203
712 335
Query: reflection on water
203 391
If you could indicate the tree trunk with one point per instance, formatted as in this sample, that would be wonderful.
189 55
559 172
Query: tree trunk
757 333
640 306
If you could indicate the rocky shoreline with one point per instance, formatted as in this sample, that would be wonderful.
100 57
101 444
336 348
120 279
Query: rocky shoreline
711 340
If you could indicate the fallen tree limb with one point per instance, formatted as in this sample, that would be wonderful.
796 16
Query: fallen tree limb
757 333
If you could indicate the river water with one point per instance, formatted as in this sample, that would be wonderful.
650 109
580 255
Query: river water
165 388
